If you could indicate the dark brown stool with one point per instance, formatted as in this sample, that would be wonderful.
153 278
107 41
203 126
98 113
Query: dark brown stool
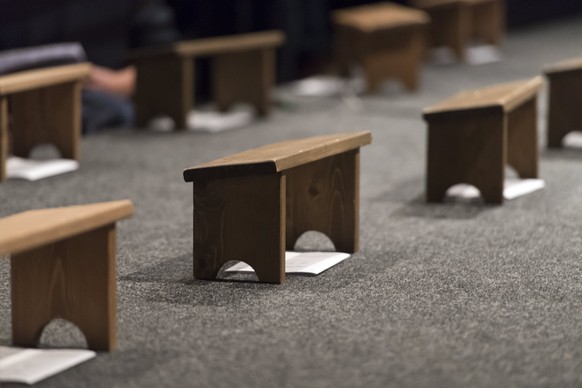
473 135
385 39
243 70
63 266
253 205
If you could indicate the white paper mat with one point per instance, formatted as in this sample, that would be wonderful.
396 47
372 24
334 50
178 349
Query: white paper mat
29 366
513 188
33 170
309 263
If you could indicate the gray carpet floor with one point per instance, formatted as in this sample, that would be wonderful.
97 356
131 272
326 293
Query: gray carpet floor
450 295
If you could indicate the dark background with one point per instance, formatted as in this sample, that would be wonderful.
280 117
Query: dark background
108 28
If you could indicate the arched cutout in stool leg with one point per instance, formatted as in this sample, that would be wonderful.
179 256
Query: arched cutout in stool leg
73 279
324 196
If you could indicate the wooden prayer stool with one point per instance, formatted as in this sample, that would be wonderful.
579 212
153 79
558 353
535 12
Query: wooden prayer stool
565 113
473 135
63 266
454 23
44 107
243 70
254 205
385 39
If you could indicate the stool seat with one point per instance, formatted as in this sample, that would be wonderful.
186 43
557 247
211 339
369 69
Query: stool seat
379 16
274 158
504 96
33 228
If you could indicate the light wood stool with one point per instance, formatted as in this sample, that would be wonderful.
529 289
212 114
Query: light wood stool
473 135
565 113
243 70
253 205
385 39
454 23
45 107
63 266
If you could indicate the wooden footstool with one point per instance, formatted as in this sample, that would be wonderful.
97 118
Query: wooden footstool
243 70
474 134
565 113
63 266
385 39
45 107
454 23
253 205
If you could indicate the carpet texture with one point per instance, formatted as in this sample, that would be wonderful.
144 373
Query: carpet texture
450 295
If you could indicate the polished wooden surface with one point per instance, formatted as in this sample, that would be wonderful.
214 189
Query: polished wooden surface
35 228
375 17
279 157
504 96
41 78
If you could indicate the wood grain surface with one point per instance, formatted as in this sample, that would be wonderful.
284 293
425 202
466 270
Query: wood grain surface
242 219
72 279
278 157
216 45
41 78
35 228
505 96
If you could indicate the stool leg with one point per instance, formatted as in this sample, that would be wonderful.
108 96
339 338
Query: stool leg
468 150
522 139
243 219
73 279
564 113
4 138
244 77
164 86
324 196
47 115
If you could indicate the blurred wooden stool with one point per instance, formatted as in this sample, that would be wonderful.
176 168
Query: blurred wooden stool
44 107
454 23
253 205
565 111
63 266
385 39
243 70
473 135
